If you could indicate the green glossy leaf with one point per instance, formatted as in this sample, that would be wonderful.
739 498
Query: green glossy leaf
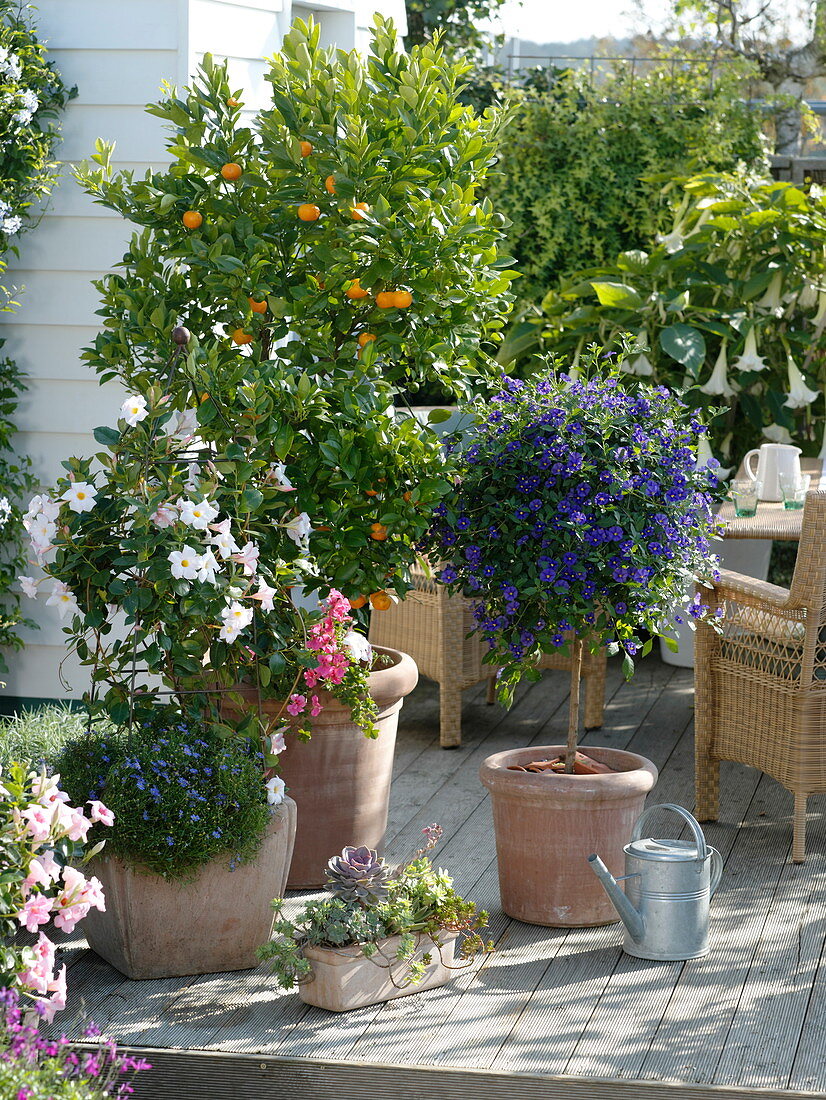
685 344
619 295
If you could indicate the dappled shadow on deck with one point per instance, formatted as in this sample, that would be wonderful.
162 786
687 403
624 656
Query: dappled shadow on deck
550 1001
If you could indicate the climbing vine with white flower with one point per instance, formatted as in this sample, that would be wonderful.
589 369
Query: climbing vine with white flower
32 97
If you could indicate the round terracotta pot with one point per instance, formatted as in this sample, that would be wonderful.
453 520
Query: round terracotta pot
155 927
548 824
340 779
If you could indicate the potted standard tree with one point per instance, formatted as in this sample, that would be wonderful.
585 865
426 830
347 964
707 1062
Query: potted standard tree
288 279
578 519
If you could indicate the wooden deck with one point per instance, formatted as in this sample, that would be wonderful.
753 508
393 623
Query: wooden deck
552 1013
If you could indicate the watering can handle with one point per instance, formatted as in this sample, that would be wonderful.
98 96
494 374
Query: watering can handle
716 871
702 848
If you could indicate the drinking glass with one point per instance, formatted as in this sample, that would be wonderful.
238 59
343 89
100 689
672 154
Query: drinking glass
794 488
745 495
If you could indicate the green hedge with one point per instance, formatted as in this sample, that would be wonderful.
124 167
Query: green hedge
574 159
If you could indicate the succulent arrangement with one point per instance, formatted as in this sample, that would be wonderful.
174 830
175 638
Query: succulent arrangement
370 902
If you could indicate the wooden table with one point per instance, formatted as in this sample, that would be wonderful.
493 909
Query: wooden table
772 520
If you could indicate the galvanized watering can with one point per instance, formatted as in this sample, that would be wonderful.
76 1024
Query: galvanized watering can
668 885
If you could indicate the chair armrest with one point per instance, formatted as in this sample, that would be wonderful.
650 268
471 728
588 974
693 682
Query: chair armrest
733 584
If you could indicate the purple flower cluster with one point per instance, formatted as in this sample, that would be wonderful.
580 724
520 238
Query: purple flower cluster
580 508
32 1064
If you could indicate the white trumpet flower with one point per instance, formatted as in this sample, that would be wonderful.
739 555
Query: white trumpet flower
820 316
799 393
718 384
772 300
750 360
775 433
808 296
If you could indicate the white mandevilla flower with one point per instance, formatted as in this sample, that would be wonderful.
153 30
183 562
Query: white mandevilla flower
63 599
248 557
37 505
42 531
278 477
80 496
185 563
198 515
265 594
718 384
193 475
298 529
223 539
360 648
235 618
186 424
750 360
5 510
28 586
275 790
134 410
209 563
799 393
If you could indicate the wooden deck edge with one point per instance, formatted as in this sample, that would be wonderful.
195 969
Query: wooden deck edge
208 1075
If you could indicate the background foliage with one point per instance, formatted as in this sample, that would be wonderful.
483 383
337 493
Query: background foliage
581 169
727 307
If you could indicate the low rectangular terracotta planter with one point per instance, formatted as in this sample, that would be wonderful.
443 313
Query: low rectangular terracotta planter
344 979
157 928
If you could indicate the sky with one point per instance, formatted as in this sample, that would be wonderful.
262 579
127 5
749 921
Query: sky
568 20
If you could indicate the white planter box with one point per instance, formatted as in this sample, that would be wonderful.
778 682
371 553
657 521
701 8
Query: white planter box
344 979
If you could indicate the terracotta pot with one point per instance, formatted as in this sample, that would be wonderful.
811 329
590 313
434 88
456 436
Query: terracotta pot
156 928
344 979
548 824
340 779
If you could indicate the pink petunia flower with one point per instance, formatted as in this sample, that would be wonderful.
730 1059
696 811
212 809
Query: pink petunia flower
297 704
99 812
36 910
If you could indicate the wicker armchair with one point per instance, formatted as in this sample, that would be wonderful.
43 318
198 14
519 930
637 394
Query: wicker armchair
761 683
433 627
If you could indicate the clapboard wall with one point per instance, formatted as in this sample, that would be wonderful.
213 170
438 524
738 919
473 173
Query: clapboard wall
117 52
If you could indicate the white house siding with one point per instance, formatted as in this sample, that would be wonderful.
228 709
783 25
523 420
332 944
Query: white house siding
117 52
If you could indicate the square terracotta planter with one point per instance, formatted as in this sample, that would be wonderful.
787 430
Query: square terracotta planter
344 979
156 928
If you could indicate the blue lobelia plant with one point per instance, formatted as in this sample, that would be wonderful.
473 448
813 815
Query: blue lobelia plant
581 514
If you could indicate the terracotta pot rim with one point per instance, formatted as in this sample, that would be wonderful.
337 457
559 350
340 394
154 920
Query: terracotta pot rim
133 868
638 775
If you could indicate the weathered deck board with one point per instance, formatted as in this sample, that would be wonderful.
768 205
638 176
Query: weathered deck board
549 1002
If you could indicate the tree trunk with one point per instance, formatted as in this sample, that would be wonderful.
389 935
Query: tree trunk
415 28
573 703
787 118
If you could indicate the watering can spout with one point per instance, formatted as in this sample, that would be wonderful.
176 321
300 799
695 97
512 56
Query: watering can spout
628 914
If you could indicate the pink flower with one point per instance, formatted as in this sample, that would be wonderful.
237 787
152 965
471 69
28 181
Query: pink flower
38 822
46 790
310 677
40 972
36 910
76 824
248 557
38 874
277 742
296 704
315 706
57 1001
265 594
98 812
338 605
165 515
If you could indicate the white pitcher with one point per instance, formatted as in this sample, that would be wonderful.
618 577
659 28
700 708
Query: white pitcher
773 459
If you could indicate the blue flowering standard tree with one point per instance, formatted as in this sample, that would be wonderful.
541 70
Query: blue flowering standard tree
581 516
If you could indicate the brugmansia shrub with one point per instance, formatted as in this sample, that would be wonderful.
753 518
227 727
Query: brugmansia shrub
287 280
574 175
728 307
